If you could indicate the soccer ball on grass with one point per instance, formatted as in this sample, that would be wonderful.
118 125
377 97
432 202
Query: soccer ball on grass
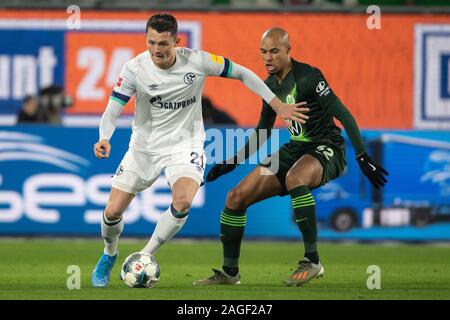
140 270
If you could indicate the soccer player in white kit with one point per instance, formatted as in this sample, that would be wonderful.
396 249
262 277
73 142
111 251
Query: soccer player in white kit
167 132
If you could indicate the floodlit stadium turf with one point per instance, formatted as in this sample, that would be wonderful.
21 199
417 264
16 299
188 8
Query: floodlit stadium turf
37 269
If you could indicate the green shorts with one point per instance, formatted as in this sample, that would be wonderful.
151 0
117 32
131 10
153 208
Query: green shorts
332 158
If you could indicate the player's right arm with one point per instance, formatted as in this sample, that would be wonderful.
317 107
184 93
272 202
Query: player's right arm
124 89
219 66
261 134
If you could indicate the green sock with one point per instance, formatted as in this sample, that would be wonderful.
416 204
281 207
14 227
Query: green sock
232 225
305 214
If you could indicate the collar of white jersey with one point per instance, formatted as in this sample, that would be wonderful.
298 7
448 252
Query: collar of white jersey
177 61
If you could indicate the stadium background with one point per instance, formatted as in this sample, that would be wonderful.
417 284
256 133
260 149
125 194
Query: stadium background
394 80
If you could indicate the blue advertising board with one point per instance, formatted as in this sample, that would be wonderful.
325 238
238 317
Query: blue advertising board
431 69
51 184
35 58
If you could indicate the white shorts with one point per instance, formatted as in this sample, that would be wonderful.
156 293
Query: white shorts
139 170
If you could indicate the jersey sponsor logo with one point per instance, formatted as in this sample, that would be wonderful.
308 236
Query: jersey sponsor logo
189 78
172 105
216 59
119 170
290 99
322 88
295 128
297 132
119 82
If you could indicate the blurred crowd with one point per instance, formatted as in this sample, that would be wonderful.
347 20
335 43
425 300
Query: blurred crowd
46 107
49 105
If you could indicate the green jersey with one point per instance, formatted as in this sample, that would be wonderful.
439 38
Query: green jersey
305 83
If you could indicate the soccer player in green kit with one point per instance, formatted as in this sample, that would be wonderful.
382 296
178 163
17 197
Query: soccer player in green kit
314 156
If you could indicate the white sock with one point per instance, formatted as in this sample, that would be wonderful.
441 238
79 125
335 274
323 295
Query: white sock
111 231
167 227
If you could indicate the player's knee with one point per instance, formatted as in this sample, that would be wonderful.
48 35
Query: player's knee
181 203
236 199
112 212
295 179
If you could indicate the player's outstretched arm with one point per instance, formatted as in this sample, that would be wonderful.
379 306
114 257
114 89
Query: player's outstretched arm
373 171
219 66
286 111
289 112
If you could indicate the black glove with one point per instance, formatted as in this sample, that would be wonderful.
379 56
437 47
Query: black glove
374 172
219 170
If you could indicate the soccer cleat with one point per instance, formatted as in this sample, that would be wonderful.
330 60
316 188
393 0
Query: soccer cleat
100 275
219 277
306 271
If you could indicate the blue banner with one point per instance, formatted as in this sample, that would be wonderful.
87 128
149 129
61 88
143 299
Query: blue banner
35 58
51 184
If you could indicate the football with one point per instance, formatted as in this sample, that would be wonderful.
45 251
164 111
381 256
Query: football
140 270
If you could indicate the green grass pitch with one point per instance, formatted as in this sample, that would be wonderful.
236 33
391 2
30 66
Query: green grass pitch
37 269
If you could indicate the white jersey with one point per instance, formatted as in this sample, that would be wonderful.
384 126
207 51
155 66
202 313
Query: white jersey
168 112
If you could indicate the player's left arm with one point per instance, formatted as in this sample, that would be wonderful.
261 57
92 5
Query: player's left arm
322 93
124 89
223 67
